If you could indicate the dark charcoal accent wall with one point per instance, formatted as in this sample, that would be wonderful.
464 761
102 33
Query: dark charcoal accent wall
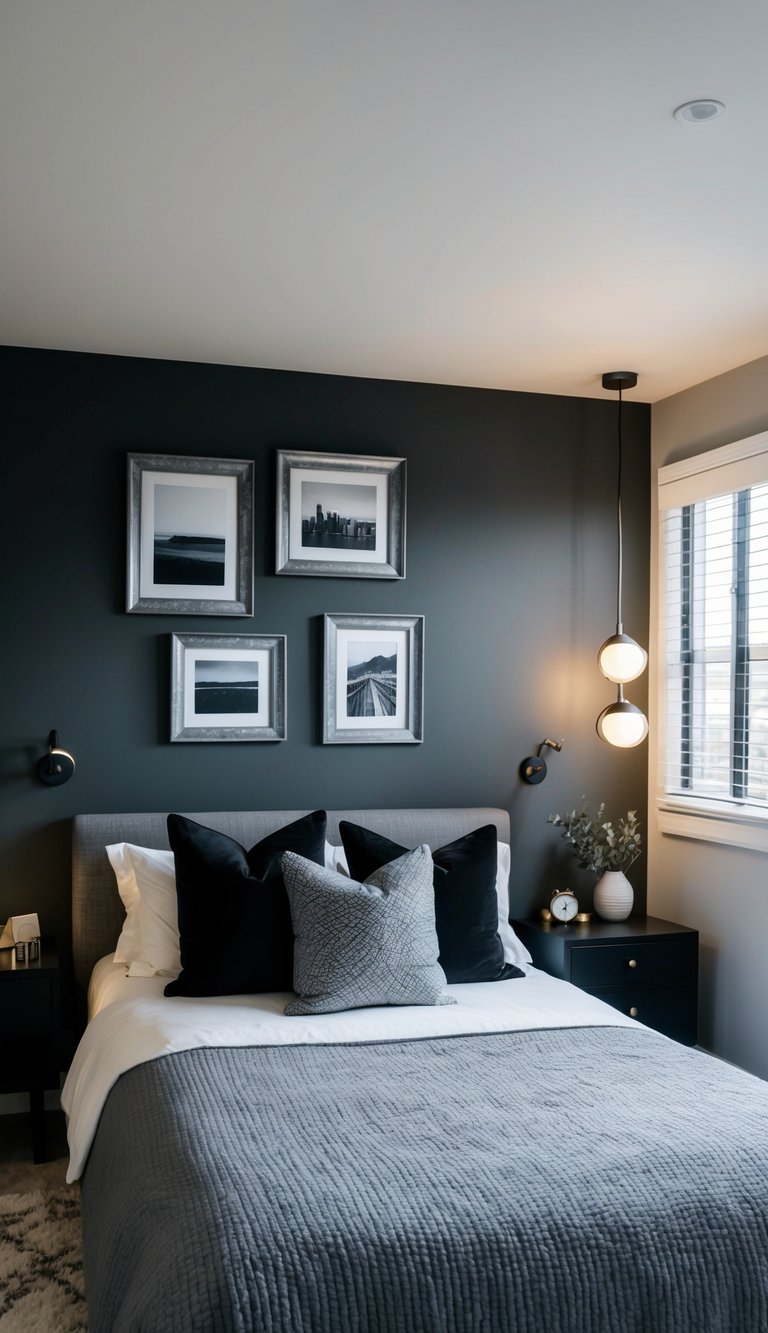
511 558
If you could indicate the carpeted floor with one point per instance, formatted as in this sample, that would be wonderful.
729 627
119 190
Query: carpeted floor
41 1263
18 1173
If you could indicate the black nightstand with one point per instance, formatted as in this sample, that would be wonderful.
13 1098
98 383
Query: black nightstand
30 1032
647 968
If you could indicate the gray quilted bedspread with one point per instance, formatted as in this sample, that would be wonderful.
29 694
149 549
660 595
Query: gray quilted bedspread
584 1179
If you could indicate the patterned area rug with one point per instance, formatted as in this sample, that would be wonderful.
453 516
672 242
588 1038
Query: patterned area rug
41 1263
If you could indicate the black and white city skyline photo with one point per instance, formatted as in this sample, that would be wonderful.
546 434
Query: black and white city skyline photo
190 524
338 516
371 678
226 686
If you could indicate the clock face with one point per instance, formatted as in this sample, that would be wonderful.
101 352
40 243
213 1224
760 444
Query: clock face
564 906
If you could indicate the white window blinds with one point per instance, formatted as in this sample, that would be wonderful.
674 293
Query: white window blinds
713 513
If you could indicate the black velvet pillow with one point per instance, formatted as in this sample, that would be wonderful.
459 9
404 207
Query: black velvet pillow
234 916
466 906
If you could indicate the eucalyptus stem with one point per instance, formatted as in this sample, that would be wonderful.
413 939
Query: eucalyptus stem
600 844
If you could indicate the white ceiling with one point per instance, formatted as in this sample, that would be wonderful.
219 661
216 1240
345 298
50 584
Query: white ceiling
457 191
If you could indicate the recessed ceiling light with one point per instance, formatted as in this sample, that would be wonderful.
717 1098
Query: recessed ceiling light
702 108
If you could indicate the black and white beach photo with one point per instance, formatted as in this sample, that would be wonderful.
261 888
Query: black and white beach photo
338 516
190 535
226 687
371 679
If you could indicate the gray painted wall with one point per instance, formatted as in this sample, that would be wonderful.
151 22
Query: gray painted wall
511 558
720 891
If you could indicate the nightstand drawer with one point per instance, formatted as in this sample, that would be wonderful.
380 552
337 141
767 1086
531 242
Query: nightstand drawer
652 963
26 1001
671 1010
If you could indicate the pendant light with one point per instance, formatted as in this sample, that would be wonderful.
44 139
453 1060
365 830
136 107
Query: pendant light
622 724
620 658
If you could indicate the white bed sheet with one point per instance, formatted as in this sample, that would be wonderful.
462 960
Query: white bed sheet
133 1022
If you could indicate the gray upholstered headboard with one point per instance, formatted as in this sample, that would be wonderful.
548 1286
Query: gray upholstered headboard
97 913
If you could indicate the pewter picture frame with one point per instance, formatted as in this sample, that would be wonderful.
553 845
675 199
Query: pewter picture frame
228 687
373 680
190 535
340 515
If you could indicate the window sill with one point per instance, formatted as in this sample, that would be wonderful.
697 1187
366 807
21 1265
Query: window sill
713 822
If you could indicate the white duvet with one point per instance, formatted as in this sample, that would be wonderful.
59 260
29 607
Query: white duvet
133 1022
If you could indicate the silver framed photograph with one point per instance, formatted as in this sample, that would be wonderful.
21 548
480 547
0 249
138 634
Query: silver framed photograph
340 515
228 687
373 686
190 535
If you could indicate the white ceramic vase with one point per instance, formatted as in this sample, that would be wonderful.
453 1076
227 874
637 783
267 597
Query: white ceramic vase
614 897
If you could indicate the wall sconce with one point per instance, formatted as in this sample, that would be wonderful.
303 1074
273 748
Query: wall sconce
534 769
57 766
620 658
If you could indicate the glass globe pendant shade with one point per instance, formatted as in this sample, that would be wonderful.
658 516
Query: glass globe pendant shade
621 659
622 724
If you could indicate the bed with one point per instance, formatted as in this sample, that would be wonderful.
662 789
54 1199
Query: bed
525 1158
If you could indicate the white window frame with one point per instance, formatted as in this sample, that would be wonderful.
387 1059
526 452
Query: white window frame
731 468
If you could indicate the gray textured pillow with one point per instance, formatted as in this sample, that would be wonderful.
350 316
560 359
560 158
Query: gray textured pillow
364 944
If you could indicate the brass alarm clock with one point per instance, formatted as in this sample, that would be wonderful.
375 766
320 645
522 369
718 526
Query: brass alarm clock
564 908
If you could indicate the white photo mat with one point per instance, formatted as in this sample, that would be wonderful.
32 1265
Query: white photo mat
303 477
151 482
372 639
199 657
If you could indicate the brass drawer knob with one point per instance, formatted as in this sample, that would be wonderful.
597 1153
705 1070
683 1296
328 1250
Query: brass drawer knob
632 962
633 1012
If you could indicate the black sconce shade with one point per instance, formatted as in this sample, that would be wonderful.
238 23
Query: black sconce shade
57 766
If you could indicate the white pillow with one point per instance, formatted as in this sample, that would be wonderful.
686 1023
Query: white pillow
146 882
514 949
339 861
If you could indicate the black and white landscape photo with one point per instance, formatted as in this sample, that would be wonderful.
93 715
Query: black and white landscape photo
190 535
338 516
226 687
371 679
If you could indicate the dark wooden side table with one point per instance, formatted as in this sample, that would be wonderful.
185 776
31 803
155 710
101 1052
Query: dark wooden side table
646 967
30 1027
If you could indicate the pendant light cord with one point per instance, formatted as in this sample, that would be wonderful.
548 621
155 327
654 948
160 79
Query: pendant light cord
619 628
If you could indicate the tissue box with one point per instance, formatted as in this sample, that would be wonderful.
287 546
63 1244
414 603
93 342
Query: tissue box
19 929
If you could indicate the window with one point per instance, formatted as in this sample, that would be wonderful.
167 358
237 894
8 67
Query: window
714 640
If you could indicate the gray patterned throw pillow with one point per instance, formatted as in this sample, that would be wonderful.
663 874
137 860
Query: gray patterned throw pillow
364 944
